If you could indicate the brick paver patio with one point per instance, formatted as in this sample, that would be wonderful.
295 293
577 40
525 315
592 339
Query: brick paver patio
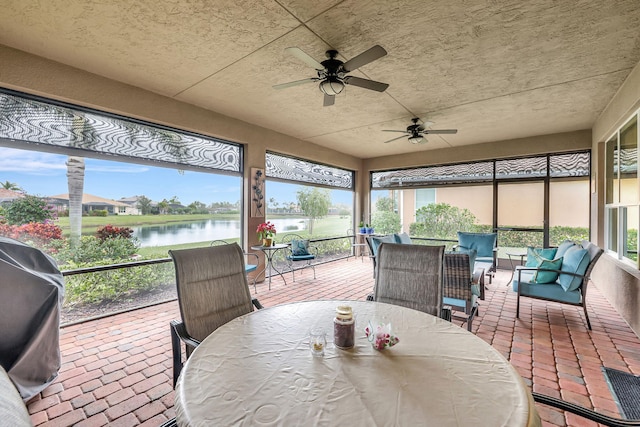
116 370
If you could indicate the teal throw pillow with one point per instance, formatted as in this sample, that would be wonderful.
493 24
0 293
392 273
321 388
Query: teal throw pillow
299 247
483 243
576 260
564 246
535 255
377 241
402 238
547 276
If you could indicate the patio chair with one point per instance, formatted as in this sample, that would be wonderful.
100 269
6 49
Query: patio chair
410 276
486 247
212 290
583 412
563 279
249 259
459 282
300 251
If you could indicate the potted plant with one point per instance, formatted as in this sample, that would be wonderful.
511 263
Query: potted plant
266 232
369 230
362 228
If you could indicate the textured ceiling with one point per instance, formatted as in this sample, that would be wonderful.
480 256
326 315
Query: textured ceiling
492 69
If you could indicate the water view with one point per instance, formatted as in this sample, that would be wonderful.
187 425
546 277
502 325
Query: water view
199 231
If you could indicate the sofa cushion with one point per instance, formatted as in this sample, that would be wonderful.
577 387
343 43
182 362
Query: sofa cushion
535 255
300 247
483 243
376 241
402 238
576 260
551 291
564 246
547 276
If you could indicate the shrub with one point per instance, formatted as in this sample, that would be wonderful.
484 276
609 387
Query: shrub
442 221
45 236
94 251
98 212
93 288
28 209
109 232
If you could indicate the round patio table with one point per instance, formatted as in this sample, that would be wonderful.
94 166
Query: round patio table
258 370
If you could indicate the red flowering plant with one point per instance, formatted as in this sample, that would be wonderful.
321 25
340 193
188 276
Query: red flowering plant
266 230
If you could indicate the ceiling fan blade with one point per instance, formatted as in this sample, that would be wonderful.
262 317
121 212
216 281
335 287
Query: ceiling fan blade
329 100
389 130
441 131
364 58
367 84
394 139
296 83
304 57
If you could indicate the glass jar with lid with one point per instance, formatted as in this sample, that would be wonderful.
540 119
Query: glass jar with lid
344 327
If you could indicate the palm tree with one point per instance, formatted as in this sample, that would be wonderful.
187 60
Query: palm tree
75 182
7 185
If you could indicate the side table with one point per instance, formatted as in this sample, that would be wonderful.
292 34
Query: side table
269 252
512 257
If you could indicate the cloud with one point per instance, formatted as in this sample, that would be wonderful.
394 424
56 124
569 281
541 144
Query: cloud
31 162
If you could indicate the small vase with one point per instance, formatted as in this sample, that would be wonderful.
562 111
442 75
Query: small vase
267 242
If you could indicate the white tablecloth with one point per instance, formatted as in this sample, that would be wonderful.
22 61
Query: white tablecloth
258 370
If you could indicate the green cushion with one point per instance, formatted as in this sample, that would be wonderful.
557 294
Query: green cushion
547 276
564 246
402 238
483 243
377 240
535 255
300 247
576 260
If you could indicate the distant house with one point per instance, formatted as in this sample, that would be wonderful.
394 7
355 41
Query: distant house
91 203
8 196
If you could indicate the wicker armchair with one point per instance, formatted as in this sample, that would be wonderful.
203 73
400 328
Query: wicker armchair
459 283
410 276
212 290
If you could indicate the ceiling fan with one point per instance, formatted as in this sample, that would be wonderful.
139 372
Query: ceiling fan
332 73
416 132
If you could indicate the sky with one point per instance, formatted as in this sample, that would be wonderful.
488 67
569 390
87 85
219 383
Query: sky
44 174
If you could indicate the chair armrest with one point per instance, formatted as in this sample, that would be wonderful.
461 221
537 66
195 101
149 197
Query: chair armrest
256 303
582 411
181 332
252 255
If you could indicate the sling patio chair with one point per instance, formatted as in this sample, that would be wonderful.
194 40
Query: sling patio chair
212 290
410 276
251 261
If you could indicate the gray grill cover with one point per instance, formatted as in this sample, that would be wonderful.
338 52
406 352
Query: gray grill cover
31 294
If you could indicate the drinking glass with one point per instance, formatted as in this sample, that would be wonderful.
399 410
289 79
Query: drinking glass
317 341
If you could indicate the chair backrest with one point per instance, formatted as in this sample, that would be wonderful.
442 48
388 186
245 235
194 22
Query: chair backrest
483 243
410 276
457 276
594 253
212 287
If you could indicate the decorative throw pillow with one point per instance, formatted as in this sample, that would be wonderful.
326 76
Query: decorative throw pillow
535 255
402 238
376 241
564 246
300 247
547 276
576 260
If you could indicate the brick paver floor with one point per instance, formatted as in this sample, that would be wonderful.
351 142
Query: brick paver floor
116 370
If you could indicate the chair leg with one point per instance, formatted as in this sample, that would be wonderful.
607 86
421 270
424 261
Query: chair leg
176 352
586 316
518 305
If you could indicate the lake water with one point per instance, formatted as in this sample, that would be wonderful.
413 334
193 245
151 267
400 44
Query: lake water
198 231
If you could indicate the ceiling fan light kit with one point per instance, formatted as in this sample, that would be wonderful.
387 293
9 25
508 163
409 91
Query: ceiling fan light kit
331 86
416 139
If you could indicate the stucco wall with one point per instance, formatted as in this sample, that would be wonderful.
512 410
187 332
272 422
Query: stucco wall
619 282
